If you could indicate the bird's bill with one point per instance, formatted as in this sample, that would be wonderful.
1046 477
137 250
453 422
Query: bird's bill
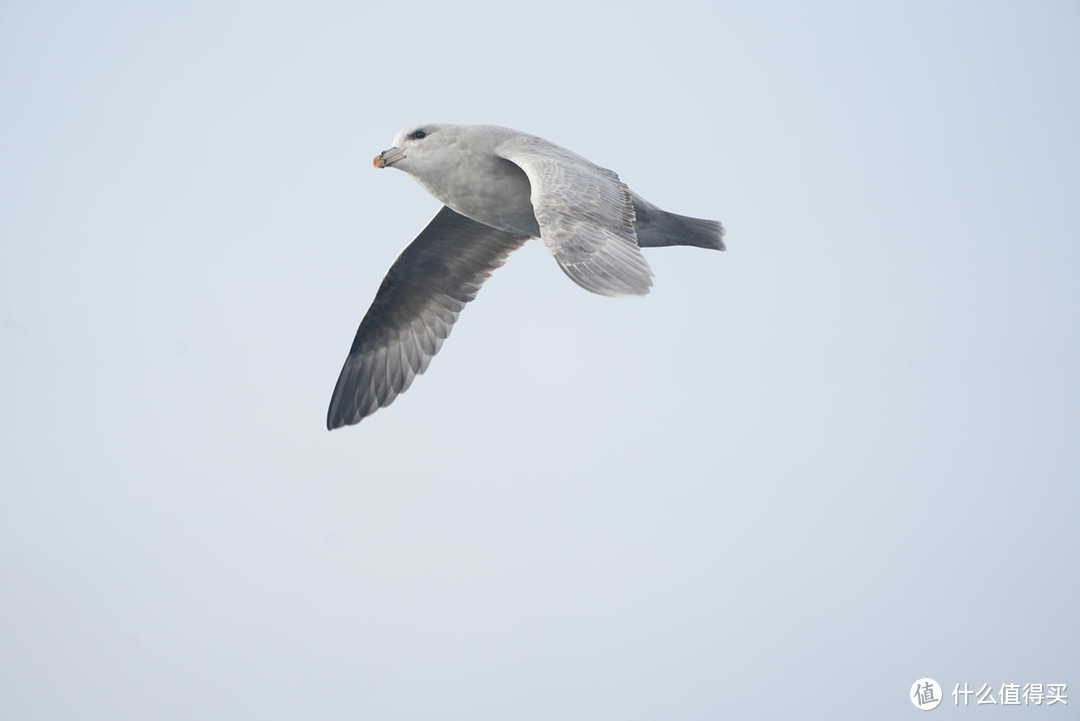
388 157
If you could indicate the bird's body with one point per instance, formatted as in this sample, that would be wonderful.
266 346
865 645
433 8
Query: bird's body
469 178
499 188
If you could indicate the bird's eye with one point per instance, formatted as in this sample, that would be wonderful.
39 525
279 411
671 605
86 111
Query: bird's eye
417 134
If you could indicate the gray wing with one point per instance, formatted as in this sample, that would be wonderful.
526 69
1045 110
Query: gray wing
414 310
586 217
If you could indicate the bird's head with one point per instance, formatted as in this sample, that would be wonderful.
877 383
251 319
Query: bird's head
419 147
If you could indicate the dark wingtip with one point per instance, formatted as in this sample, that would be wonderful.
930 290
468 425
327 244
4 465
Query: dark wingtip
335 416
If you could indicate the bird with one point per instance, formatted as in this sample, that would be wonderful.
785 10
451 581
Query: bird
499 188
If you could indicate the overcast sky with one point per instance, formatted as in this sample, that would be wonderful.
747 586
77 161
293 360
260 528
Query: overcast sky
794 479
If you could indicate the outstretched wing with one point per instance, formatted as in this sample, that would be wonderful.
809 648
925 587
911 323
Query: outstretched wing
586 217
414 310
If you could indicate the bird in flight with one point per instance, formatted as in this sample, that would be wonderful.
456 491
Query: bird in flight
499 188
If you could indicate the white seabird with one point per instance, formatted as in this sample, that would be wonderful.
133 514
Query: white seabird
499 188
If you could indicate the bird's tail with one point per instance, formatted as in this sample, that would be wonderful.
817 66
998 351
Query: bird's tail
656 228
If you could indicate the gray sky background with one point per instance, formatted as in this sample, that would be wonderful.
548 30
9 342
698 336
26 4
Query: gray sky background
794 479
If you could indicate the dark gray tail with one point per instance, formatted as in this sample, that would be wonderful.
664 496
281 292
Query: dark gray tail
657 228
